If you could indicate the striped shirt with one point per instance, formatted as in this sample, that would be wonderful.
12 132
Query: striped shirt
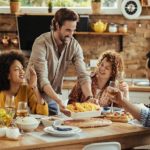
145 117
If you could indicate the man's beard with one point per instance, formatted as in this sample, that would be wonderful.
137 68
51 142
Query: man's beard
66 39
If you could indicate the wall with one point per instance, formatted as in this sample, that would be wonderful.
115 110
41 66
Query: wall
135 44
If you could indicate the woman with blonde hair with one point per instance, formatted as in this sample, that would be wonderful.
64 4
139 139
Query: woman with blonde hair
110 66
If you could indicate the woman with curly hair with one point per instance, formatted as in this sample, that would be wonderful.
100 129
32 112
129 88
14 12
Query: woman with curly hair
12 79
110 65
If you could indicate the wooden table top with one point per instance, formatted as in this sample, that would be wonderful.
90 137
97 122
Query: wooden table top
128 135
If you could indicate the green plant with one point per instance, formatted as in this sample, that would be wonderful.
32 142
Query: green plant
14 0
96 0
50 4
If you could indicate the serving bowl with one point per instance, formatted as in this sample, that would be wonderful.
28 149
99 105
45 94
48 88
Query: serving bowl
27 123
48 121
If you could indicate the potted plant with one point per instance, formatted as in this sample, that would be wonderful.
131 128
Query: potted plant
50 6
96 6
14 6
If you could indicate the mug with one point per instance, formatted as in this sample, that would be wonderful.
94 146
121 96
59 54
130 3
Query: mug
12 133
3 131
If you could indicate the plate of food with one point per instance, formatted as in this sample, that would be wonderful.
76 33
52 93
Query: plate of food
84 110
53 131
119 117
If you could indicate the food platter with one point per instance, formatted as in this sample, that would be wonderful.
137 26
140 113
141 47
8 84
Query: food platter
88 123
87 114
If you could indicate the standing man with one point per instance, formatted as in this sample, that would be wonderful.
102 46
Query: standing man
52 52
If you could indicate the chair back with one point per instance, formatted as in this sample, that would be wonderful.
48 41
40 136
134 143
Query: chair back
103 146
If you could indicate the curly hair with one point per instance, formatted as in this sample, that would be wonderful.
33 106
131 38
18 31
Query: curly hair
6 60
116 61
63 15
148 61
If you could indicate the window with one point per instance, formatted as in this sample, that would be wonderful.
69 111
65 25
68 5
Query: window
81 6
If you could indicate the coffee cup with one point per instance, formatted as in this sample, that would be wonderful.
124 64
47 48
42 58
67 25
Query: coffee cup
3 131
12 133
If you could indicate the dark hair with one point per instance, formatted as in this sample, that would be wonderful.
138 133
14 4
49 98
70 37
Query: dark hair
63 15
6 60
148 61
116 61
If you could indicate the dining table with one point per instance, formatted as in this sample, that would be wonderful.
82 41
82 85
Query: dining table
128 135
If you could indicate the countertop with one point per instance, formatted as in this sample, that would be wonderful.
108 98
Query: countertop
68 84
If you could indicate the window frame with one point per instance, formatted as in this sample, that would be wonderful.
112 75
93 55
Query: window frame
80 10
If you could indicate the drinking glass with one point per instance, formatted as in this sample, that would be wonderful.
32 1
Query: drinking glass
112 92
22 110
10 106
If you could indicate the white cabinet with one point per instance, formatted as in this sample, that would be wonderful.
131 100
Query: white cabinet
140 97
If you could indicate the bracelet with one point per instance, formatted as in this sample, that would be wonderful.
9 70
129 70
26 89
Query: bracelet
89 97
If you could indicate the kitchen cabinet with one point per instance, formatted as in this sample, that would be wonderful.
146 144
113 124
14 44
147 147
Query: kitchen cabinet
139 97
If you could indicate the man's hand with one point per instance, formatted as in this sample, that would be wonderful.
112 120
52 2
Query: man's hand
93 100
66 112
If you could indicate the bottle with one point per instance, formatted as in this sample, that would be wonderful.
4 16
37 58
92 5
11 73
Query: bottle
50 6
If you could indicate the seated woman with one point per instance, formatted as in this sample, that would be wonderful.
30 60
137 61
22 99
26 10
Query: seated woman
110 65
12 79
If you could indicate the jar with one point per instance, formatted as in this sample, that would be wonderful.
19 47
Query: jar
112 27
123 28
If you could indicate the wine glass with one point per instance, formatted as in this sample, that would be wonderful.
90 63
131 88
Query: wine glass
10 105
22 109
112 92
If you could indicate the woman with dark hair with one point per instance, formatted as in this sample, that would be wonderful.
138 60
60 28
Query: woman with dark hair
148 65
110 64
12 83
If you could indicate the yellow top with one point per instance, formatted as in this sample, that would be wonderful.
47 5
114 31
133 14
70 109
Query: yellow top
26 94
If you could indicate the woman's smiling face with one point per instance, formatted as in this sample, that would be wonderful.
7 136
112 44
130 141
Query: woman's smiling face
105 69
16 73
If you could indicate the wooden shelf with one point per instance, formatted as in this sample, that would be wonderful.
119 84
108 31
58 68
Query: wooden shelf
117 34
104 33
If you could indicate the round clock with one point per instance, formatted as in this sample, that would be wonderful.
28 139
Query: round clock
131 9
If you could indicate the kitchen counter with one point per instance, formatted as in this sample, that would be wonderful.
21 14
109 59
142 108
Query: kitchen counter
68 84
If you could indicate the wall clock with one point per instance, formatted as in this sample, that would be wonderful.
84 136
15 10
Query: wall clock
131 9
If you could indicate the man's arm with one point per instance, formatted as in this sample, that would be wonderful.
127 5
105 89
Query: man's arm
51 93
86 89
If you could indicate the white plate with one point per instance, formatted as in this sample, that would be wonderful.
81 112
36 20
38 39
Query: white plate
52 131
87 114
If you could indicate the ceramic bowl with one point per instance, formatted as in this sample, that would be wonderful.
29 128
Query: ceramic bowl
48 121
27 123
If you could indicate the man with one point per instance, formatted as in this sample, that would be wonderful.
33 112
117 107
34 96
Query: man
52 52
